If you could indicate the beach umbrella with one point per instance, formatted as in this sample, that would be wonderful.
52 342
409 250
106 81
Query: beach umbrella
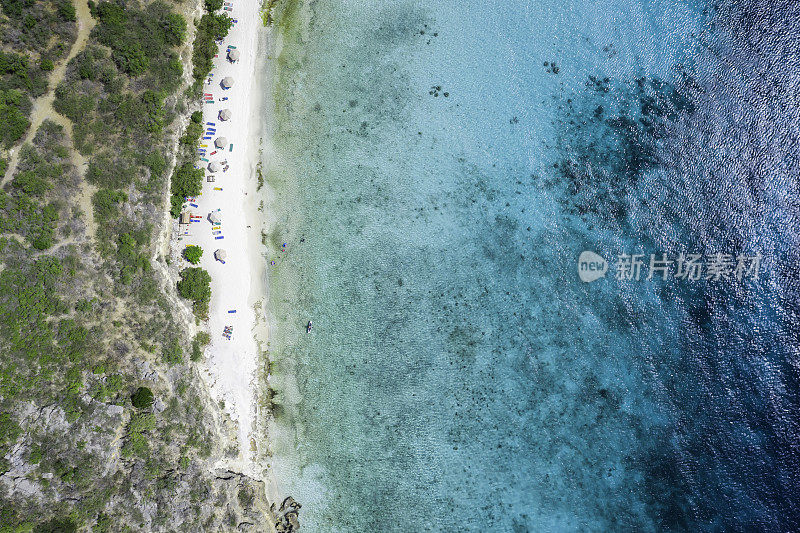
227 82
220 255
214 217
214 166
221 142
233 54
225 114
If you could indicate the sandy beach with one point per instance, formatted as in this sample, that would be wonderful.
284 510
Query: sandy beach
237 282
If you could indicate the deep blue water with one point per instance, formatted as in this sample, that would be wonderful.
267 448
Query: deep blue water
441 167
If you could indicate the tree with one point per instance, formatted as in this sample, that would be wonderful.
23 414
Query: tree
195 285
193 254
187 180
142 398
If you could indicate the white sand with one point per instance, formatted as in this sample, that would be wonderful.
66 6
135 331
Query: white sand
239 283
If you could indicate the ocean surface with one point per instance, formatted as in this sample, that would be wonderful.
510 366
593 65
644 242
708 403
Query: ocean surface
440 167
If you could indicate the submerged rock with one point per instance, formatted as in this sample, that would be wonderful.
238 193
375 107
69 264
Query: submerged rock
286 518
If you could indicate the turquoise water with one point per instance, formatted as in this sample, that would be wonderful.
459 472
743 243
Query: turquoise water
438 177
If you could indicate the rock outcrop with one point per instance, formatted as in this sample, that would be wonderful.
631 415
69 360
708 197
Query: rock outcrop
286 518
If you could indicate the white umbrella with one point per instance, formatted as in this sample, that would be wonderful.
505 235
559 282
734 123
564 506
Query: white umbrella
220 255
221 142
214 217
214 166
225 114
227 82
233 54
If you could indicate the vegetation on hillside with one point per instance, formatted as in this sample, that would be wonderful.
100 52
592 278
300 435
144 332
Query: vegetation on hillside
102 423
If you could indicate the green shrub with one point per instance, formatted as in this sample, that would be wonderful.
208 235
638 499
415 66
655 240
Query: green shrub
13 122
176 204
9 430
57 525
174 27
31 183
193 254
200 340
193 133
66 11
156 163
106 204
172 352
73 105
142 398
13 8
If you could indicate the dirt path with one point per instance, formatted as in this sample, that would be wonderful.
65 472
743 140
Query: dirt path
43 109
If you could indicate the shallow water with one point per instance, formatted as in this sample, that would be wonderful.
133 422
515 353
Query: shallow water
437 182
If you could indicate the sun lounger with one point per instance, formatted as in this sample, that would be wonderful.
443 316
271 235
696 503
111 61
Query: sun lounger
204 159
217 188
211 124
206 138
231 148
194 205
220 237
232 311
